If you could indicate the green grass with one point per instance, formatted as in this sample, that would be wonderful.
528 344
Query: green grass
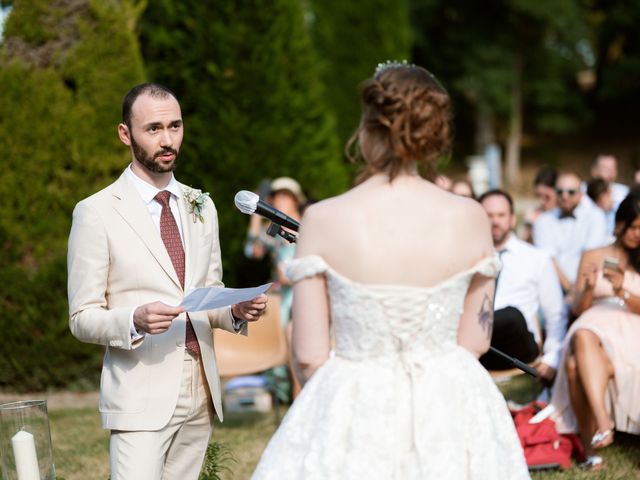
81 448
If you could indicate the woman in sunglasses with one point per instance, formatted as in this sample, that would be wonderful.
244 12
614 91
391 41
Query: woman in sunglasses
597 390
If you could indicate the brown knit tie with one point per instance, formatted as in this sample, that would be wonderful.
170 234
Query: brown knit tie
172 242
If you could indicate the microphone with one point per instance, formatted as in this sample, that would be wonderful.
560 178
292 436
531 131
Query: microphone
248 202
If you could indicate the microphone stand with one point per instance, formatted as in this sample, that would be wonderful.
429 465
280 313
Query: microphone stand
276 229
516 363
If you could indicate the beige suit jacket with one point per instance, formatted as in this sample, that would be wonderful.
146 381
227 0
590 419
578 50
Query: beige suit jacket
117 262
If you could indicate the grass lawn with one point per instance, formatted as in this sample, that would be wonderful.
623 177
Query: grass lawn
81 448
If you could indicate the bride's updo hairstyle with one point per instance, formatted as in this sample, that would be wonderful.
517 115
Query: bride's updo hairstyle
406 121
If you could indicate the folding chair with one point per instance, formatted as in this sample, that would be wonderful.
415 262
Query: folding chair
263 348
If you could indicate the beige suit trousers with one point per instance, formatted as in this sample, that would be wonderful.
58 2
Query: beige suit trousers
176 451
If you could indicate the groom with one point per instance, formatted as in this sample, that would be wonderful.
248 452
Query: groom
135 248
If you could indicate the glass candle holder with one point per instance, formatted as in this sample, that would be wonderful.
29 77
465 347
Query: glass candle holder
25 441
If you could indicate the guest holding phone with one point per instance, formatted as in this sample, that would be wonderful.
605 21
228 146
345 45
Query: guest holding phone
597 390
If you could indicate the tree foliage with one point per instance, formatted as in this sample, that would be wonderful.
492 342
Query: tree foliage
351 39
64 66
253 103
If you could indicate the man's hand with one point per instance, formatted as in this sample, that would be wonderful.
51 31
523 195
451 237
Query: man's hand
250 310
547 373
154 318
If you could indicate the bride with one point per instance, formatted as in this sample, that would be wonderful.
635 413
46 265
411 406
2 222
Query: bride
403 275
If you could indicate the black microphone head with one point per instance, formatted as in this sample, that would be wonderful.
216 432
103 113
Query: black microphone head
246 201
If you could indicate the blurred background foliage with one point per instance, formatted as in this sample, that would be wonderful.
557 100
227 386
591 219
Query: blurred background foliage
268 88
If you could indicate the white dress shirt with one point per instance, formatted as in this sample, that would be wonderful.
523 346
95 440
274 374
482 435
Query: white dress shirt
618 193
565 239
148 193
528 282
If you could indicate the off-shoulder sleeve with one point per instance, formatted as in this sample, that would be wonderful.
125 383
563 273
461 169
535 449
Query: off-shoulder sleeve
489 266
297 269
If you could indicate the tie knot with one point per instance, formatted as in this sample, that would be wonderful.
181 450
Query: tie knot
163 197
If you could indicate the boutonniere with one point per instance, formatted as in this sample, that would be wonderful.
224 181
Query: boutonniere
195 202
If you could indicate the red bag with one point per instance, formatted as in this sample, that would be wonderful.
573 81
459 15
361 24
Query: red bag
543 446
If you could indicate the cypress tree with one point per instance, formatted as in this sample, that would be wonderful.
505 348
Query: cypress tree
352 38
252 99
64 67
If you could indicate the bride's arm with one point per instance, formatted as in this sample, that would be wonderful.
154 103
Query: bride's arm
311 344
310 310
476 322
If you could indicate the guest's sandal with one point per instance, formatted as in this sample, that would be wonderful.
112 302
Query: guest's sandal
593 462
602 439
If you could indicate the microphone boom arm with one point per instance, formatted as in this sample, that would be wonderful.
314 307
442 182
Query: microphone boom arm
276 229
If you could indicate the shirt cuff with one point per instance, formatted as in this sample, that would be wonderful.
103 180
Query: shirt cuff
238 323
132 329
552 359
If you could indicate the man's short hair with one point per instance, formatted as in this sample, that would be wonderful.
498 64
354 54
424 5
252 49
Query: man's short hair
496 192
569 173
597 158
152 89
595 188
546 176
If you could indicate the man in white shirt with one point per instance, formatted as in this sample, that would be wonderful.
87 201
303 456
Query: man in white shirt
527 285
606 168
567 231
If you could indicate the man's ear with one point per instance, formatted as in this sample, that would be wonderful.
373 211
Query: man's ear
125 134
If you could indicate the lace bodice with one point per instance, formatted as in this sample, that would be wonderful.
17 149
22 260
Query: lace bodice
399 400
372 321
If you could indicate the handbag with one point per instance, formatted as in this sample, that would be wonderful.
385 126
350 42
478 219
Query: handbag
543 446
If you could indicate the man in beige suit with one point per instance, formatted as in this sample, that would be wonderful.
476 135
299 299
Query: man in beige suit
135 248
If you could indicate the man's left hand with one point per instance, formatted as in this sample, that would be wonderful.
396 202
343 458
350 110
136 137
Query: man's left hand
250 310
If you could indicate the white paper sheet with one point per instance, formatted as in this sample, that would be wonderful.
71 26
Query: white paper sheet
200 299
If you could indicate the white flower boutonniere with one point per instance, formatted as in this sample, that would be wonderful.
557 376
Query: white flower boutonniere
195 202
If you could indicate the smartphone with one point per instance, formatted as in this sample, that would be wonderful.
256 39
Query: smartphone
611 263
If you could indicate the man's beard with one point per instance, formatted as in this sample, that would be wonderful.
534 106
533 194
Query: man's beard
500 238
150 162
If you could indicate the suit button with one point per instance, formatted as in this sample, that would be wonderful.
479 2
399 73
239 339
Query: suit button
180 343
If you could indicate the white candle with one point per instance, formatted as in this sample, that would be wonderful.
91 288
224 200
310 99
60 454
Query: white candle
24 451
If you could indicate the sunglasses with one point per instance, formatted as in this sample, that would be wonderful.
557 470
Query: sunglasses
569 191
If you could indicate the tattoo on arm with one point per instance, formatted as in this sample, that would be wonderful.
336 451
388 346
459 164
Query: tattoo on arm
485 316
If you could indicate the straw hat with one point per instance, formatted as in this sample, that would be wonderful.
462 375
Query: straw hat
290 185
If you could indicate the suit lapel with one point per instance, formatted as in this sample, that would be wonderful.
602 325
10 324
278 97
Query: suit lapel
128 203
190 234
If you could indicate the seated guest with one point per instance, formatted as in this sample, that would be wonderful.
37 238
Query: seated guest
597 389
606 168
599 191
545 192
567 231
527 284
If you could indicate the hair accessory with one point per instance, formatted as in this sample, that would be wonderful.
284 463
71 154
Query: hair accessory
381 67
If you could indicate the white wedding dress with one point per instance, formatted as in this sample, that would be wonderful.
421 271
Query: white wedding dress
399 399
